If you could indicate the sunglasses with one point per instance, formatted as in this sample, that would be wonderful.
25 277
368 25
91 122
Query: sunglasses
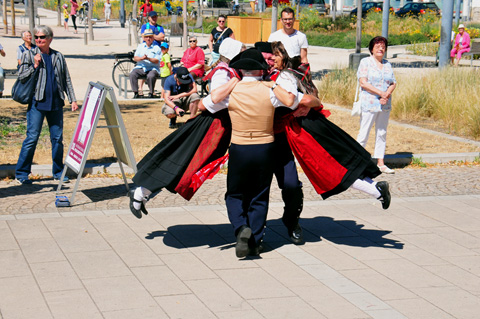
192 41
221 21
43 37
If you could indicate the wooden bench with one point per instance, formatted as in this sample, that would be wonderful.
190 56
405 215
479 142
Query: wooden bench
474 49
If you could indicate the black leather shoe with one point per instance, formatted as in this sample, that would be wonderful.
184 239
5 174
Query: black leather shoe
241 248
296 235
173 123
151 96
255 251
385 196
137 96
136 212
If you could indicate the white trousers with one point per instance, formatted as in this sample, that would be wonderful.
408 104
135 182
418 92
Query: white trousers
380 119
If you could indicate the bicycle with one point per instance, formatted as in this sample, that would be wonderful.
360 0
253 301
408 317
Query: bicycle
83 13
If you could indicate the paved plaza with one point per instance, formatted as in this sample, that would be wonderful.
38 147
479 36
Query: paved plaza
418 259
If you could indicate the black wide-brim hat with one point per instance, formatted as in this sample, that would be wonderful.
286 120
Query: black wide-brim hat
250 59
264 47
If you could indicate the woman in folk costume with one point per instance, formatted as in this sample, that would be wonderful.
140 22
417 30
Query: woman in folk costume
203 139
332 160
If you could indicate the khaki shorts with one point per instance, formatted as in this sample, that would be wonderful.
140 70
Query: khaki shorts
182 103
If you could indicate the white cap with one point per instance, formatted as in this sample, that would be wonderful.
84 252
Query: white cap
230 48
461 26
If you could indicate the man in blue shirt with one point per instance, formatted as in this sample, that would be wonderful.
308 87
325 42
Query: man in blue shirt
148 58
158 32
180 95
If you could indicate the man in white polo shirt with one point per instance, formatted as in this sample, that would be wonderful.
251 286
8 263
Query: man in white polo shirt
294 41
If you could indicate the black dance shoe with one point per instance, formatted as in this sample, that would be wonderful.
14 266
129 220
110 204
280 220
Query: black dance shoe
137 212
385 197
296 235
241 247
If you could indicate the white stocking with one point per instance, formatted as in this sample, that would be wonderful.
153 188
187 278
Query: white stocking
141 194
367 185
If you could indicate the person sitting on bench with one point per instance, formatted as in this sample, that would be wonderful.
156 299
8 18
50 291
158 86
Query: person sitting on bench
148 58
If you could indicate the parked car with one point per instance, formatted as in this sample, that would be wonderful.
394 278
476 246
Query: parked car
319 5
268 3
417 8
366 8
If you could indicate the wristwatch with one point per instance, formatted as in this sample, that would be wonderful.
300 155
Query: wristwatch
274 86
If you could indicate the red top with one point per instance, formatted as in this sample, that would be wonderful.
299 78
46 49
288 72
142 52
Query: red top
192 57
146 7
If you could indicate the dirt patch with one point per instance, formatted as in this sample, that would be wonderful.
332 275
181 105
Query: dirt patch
146 126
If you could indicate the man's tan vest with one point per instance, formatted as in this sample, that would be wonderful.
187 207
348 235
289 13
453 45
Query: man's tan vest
251 113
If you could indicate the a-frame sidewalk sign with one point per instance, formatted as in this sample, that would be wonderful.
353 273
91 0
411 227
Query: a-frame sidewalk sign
98 98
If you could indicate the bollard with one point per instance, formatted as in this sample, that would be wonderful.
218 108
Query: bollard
85 39
129 39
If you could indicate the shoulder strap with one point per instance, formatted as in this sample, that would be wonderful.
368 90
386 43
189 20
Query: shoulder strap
220 36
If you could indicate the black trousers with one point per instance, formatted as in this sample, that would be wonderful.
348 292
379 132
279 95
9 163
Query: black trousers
286 174
250 173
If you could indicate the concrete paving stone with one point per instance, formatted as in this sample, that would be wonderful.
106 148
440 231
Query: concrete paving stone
184 306
406 213
407 274
197 235
250 314
328 303
13 264
7 217
453 300
187 266
29 229
287 272
377 284
41 250
419 256
342 285
142 226
389 222
217 295
55 276
253 283
115 212
72 304
364 249
329 253
222 257
327 226
37 215
302 258
160 281
385 314
163 243
457 276
285 307
168 219
366 301
21 298
76 234
210 216
465 239
321 272
136 254
118 293
418 308
437 245
98 264
7 241
468 263
83 213
204 208
144 313
112 229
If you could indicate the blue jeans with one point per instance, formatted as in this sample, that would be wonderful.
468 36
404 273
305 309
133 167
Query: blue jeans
34 127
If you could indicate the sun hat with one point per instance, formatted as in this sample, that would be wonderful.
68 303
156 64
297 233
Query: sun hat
183 76
65 5
147 33
461 26
250 59
229 48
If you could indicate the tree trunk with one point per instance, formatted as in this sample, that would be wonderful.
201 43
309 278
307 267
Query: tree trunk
12 5
185 26
274 15
31 15
5 16
59 13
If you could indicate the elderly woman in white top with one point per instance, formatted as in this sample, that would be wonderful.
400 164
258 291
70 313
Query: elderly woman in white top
377 83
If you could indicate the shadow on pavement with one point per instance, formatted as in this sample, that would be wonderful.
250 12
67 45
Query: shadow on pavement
340 232
36 187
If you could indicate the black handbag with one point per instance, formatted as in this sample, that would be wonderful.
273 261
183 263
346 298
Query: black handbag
23 92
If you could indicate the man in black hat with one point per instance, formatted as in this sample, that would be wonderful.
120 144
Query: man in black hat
158 31
180 95
251 108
